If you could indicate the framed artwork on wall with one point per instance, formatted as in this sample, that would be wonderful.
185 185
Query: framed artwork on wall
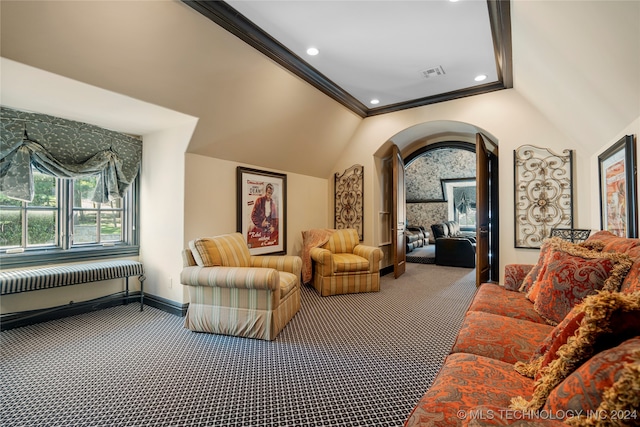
262 210
618 199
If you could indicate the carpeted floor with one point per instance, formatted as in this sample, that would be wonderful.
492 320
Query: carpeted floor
348 360
423 255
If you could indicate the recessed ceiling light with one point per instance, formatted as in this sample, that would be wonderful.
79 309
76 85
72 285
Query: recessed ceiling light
312 51
375 101
480 77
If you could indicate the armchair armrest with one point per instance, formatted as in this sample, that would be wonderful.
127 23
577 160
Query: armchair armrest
323 259
231 277
373 255
287 263
514 274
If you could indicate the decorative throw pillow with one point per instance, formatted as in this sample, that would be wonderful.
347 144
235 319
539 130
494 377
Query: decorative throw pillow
205 252
559 336
531 277
530 285
228 250
583 390
609 319
571 274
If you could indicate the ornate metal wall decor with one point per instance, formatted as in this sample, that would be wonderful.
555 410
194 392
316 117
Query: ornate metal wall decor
543 193
350 199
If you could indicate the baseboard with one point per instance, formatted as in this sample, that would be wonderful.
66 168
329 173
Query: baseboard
24 318
386 270
167 305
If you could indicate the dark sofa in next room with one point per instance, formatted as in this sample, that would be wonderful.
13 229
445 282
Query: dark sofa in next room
454 248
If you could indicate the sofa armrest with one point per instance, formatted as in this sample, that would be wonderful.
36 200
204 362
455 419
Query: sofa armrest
324 261
514 274
373 255
231 277
287 263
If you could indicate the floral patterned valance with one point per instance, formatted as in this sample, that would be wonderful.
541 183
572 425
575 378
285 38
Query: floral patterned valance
65 149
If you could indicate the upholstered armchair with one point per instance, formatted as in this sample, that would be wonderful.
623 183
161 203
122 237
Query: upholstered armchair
234 293
343 266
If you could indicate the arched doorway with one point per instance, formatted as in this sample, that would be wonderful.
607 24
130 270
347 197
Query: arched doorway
416 138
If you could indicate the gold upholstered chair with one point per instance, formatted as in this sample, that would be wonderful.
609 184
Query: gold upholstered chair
232 292
342 265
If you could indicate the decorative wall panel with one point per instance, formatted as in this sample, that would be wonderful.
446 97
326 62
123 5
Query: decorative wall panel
350 199
543 193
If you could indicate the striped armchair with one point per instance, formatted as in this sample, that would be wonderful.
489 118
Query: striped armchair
343 266
234 293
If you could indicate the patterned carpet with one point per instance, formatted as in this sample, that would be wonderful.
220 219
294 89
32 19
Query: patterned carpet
423 255
348 360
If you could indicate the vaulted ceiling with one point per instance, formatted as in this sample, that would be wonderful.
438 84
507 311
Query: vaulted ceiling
577 62
379 56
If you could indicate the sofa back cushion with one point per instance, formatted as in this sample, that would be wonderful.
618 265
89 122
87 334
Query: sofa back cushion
440 230
454 228
228 250
343 241
629 246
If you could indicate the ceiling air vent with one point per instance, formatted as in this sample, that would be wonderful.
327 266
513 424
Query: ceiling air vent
433 72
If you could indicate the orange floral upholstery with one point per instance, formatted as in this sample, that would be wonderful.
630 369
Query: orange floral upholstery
609 319
570 275
499 337
492 298
514 275
465 382
505 347
583 390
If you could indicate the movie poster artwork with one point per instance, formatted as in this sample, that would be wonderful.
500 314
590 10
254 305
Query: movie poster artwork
615 191
262 207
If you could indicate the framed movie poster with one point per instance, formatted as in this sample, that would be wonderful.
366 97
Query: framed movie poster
262 208
618 202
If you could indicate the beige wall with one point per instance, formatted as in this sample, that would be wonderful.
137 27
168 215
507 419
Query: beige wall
229 88
162 202
510 119
210 200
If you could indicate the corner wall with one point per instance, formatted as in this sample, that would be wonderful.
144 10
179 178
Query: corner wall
210 201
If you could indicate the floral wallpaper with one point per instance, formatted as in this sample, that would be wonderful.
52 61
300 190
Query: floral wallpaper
424 188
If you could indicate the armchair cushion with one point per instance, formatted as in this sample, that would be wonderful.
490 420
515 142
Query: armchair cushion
349 262
228 250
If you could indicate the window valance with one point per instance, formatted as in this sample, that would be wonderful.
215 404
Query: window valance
65 149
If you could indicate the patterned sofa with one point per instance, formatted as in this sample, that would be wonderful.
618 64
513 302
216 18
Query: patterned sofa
232 292
557 344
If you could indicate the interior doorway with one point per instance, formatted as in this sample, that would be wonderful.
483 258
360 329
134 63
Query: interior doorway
419 138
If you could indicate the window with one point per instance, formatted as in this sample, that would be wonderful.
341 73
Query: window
62 223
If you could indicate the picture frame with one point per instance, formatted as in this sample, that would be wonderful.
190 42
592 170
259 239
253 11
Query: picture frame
618 197
262 210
